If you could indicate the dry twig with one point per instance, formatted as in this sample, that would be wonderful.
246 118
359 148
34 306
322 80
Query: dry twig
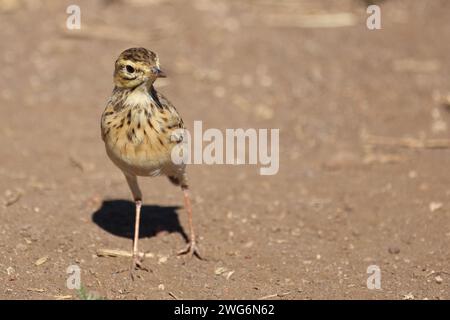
120 253
173 295
412 143
276 295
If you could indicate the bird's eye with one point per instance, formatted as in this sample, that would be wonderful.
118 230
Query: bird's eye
130 69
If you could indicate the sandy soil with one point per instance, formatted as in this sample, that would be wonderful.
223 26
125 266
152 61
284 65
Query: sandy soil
338 204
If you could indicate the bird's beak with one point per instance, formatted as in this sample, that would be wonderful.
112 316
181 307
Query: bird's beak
159 73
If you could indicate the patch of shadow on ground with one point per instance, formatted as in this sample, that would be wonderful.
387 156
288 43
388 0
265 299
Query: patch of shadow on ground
118 216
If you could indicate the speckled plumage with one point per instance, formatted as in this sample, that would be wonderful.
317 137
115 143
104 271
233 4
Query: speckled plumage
137 127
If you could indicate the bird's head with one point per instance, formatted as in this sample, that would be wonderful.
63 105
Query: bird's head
136 66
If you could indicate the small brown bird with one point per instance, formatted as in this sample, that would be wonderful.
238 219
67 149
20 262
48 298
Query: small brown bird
138 127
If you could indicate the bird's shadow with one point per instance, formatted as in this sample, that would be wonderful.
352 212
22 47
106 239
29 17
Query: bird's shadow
118 217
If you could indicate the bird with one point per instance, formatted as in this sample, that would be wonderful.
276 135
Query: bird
140 128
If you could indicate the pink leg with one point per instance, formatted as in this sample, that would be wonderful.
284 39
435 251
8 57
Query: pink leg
137 259
136 227
191 248
137 195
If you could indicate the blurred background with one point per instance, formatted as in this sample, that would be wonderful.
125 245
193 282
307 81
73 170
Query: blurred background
363 118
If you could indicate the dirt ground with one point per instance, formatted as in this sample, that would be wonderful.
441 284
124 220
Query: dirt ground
339 203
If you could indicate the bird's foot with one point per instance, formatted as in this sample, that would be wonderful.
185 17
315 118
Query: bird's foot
191 250
137 264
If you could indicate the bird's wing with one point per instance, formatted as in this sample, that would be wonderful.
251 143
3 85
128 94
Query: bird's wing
109 110
174 119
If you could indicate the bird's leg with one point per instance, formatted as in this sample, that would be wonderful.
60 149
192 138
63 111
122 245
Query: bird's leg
136 258
191 248
137 195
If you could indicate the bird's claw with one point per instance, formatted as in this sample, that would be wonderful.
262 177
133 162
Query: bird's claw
137 264
191 250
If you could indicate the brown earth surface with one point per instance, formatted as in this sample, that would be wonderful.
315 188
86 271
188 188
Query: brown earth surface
339 203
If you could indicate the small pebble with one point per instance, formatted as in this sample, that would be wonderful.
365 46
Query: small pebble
219 271
162 259
434 206
394 250
41 261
